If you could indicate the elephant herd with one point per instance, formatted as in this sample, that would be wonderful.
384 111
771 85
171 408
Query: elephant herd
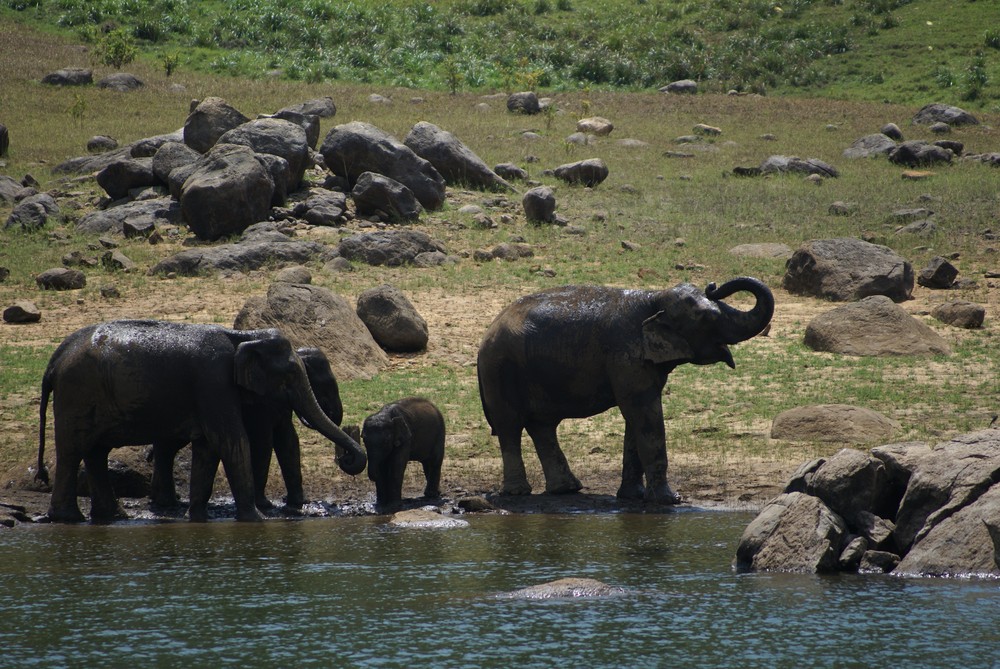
568 352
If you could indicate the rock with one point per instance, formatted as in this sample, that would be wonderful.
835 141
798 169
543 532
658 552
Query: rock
853 483
848 269
878 144
874 326
137 215
294 274
322 207
918 153
595 125
276 137
939 273
121 176
392 319
426 518
506 251
452 159
248 254
566 588
4 140
101 144
354 148
960 314
389 247
590 172
69 76
211 119
321 107
510 171
878 562
308 122
375 194
117 261
22 311
523 103
685 86
794 532
169 157
839 423
32 212
707 130
766 250
539 205
228 190
792 164
937 112
955 146
892 131
11 190
61 278
841 208
122 82
313 316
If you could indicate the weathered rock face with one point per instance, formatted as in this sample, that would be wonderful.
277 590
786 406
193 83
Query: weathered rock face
838 423
209 121
588 172
525 102
321 107
69 76
912 509
848 269
313 316
121 176
139 214
375 194
877 144
389 247
873 326
539 205
228 190
169 157
354 148
918 153
939 273
937 112
276 137
392 319
33 212
796 165
960 314
452 159
123 82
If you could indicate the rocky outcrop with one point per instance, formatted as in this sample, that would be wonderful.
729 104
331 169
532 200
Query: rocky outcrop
847 269
389 247
386 199
909 509
937 112
211 119
452 159
874 326
276 137
918 153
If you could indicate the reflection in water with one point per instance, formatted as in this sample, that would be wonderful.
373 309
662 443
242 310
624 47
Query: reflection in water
353 592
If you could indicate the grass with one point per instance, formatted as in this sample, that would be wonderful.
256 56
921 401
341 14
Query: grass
683 213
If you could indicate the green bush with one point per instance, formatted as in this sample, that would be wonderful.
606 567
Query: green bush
117 49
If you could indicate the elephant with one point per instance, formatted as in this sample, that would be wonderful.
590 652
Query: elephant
576 351
134 382
409 430
269 429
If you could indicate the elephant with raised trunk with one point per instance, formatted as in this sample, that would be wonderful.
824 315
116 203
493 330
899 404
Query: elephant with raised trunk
577 351
270 429
137 382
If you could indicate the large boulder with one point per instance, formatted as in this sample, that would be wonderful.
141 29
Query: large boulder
794 532
960 314
524 102
276 137
937 112
170 156
378 195
874 326
123 82
353 148
61 278
392 319
847 269
795 165
590 172
452 159
877 144
33 212
211 119
260 246
69 76
388 247
918 153
839 423
539 205
121 176
321 107
228 190
312 316
138 214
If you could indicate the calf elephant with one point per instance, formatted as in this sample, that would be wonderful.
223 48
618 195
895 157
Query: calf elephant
269 427
410 430
577 351
139 382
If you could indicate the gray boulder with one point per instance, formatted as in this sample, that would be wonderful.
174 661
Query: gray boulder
796 165
321 107
590 172
392 319
211 119
794 532
101 144
169 157
539 205
878 144
122 82
918 153
308 122
313 316
840 423
525 102
378 195
388 247
874 326
763 250
960 314
892 131
137 214
452 159
61 278
11 190
69 76
321 206
353 148
121 176
22 311
510 171
276 137
939 273
937 112
228 190
32 212
684 86
847 269
261 246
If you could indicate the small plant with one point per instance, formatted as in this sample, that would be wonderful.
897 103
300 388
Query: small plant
452 75
542 7
564 5
992 39
975 77
170 62
116 49
78 109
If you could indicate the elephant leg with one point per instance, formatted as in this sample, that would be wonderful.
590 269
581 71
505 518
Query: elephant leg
515 478
235 454
558 477
432 472
63 506
163 491
204 465
288 452
104 505
632 472
644 428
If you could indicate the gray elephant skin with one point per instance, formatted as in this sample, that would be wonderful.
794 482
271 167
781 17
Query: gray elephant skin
138 382
577 351
409 430
270 429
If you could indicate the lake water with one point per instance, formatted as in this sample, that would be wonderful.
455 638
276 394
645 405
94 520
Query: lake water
353 592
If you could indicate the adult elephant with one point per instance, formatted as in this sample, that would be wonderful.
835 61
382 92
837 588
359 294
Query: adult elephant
577 351
137 382
270 429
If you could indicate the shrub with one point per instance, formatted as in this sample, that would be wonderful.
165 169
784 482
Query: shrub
117 49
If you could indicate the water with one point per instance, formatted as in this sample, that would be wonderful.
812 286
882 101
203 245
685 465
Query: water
352 592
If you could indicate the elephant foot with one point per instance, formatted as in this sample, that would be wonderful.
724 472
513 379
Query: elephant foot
291 511
264 504
516 489
54 515
388 507
662 494
567 486
251 515
631 491
108 515
165 504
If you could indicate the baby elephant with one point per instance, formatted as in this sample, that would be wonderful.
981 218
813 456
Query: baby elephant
411 429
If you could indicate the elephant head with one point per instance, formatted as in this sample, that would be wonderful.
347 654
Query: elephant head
386 436
696 327
323 383
270 367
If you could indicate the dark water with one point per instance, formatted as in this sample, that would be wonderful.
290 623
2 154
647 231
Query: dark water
351 592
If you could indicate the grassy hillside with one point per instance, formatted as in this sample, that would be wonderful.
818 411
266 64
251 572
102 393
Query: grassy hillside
904 51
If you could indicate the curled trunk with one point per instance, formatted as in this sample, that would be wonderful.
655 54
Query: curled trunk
742 325
350 456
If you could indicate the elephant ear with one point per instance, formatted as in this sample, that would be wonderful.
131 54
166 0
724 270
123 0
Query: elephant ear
258 364
661 342
400 431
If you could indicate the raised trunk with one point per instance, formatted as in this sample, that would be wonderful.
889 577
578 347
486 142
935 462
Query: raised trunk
350 456
739 325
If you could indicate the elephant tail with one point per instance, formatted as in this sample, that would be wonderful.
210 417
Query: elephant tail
42 473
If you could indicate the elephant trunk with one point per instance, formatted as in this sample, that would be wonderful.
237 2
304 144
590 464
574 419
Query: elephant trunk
350 456
737 325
